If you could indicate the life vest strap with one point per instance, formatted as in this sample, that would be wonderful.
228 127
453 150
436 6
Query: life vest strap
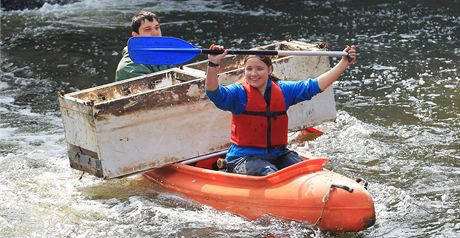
265 113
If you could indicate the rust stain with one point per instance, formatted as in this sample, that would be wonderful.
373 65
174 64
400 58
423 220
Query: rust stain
218 148
174 95
150 165
86 169
321 45
132 86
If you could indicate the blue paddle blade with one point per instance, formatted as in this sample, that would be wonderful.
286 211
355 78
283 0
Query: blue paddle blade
156 50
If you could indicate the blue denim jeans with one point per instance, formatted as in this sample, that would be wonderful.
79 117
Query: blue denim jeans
261 165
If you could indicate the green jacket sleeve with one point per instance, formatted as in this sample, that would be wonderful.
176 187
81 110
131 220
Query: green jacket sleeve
128 69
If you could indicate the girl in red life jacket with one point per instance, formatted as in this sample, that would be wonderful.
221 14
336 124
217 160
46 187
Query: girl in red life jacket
258 103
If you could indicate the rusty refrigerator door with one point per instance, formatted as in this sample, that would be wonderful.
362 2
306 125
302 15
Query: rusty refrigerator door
147 122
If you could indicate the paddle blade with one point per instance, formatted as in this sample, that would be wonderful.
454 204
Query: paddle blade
156 50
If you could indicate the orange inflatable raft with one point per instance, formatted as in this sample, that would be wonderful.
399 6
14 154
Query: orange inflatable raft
302 192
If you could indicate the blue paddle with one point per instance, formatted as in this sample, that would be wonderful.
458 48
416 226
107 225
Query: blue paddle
169 50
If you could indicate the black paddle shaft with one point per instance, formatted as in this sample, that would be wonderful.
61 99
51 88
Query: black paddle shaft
249 52
241 52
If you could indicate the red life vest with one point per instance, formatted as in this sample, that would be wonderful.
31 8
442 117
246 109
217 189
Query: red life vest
261 125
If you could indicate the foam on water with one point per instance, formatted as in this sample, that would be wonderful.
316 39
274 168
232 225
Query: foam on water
393 162
90 12
6 132
3 86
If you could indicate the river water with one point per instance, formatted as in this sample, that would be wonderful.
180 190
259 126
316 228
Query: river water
398 122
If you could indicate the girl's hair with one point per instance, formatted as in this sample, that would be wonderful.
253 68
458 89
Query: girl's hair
267 60
141 17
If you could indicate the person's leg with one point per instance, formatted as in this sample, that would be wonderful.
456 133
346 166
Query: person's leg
287 158
252 165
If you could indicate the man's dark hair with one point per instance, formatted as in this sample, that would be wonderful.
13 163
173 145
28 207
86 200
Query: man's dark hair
141 17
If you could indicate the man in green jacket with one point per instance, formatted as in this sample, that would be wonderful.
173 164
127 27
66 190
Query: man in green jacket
143 24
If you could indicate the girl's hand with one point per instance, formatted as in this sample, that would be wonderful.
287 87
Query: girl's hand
351 58
216 59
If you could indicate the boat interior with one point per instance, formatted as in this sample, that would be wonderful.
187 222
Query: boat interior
214 160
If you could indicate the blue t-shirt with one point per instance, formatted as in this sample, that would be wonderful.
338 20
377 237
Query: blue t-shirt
233 98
